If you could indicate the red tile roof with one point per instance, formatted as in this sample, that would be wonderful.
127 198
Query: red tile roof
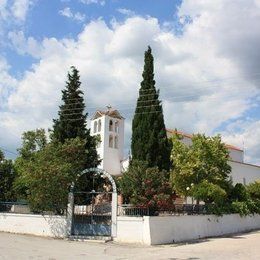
231 147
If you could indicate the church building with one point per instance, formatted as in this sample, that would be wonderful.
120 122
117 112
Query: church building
109 127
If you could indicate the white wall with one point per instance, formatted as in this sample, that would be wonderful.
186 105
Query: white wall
130 229
39 225
170 229
184 228
111 156
242 172
236 155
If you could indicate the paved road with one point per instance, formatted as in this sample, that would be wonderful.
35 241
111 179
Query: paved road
244 247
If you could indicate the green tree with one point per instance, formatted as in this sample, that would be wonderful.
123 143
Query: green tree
6 178
147 187
44 177
149 140
206 159
72 119
32 142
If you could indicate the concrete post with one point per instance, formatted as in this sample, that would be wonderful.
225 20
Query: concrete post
70 210
114 215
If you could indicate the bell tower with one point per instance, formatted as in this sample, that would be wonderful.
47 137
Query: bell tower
108 125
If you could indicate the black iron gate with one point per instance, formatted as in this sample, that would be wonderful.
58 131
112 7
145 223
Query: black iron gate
92 214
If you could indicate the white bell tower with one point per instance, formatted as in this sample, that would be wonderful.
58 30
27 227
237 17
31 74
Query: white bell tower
109 126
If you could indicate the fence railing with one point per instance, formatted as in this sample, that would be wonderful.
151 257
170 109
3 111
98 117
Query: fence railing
128 210
176 209
22 207
14 207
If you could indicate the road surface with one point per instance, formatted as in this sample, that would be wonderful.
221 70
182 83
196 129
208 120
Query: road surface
243 246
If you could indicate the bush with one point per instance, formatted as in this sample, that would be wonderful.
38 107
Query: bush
209 193
239 193
240 207
146 187
254 190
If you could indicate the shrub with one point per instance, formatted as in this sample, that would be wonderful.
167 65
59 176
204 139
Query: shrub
146 187
209 192
240 207
254 190
239 193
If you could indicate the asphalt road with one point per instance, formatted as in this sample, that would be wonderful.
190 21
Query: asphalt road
243 246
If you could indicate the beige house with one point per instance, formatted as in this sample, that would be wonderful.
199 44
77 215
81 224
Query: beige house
241 172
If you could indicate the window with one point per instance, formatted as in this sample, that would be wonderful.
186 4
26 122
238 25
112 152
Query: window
99 141
99 125
116 142
110 125
95 126
111 141
117 127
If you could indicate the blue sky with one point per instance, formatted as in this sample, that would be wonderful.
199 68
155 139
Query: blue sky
206 59
45 20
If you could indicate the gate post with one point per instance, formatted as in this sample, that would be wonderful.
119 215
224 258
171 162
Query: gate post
70 211
114 215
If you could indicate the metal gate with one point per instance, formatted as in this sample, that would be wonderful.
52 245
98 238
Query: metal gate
92 214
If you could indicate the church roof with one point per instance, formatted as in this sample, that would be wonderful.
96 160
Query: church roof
109 112
171 132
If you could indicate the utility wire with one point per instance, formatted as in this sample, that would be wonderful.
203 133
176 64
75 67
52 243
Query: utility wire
177 99
5 150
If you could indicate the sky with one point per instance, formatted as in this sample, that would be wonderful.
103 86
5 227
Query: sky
207 60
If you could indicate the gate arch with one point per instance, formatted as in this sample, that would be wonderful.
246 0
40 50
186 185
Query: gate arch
71 206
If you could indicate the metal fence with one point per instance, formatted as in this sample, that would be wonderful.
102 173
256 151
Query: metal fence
129 210
176 209
14 207
22 207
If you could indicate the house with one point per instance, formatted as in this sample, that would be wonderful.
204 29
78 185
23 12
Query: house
241 172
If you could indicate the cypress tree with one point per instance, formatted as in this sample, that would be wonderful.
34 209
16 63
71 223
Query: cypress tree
149 140
72 121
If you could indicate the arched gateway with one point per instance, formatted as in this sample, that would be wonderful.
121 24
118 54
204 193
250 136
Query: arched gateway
93 213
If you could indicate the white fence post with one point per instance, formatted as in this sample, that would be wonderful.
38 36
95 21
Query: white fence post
114 215
70 210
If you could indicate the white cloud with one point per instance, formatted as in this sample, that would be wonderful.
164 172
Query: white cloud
13 14
88 2
126 12
245 134
7 84
205 80
75 16
24 45
20 8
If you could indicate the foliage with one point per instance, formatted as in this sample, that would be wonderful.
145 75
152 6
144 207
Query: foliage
46 176
32 141
209 193
7 176
240 207
72 119
144 186
239 193
206 159
149 140
254 190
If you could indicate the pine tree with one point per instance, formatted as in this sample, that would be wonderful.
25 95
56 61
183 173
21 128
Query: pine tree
149 140
72 118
